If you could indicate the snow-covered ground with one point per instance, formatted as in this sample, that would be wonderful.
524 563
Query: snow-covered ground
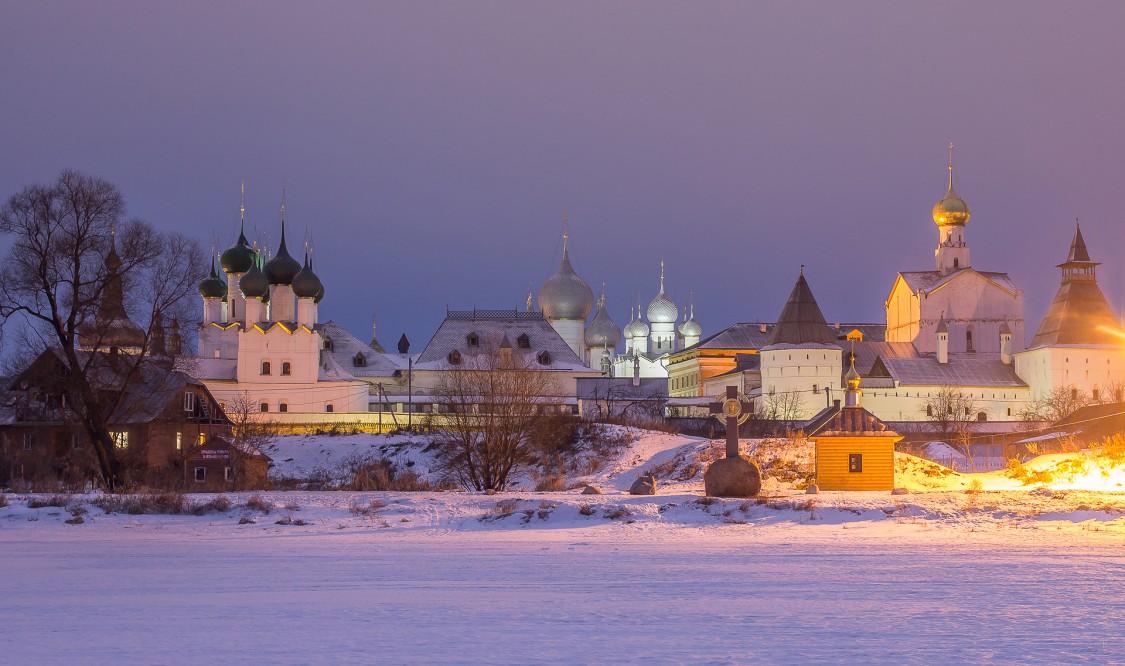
1033 575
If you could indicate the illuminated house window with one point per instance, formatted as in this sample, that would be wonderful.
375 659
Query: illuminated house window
120 440
179 441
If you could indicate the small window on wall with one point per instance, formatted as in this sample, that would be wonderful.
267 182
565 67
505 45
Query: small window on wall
179 441
282 407
28 441
523 342
200 474
120 440
286 368
228 474
473 340
264 407
328 407
982 417
855 463
544 358
328 344
266 368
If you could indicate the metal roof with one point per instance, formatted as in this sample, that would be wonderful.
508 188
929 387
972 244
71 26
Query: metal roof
847 422
801 321
490 328
961 370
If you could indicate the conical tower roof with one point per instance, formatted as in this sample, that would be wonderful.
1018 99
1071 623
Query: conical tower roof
1079 314
801 321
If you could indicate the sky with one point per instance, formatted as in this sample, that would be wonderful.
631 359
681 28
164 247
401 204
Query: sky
430 149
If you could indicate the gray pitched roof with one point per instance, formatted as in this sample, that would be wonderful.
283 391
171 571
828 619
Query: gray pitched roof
754 335
491 326
346 346
931 280
961 370
801 321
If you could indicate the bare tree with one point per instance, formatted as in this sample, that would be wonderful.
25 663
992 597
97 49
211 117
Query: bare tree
75 268
1060 403
784 408
955 414
489 406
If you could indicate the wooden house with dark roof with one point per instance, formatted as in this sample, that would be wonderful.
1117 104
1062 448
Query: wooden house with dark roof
855 450
155 412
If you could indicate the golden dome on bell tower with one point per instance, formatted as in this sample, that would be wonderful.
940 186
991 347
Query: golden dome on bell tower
952 209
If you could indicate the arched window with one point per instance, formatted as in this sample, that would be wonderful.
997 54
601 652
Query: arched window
266 368
544 358
473 340
286 368
969 340
956 262
264 407
360 361
454 357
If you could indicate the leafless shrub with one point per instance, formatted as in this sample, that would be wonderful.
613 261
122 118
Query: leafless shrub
551 483
61 501
142 503
613 513
256 503
360 508
218 504
292 506
586 510
3 500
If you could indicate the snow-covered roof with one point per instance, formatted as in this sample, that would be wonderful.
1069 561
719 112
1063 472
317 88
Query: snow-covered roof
346 347
931 280
492 326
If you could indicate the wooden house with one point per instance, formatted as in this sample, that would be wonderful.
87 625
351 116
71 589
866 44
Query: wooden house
854 449
217 464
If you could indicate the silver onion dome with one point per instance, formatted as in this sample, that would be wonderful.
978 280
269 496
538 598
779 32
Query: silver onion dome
662 310
602 331
637 328
691 328
565 295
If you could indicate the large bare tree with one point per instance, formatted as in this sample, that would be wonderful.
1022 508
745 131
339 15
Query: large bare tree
955 413
82 278
490 404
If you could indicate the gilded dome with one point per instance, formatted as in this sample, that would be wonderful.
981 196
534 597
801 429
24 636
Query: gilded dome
565 295
952 209
602 331
212 286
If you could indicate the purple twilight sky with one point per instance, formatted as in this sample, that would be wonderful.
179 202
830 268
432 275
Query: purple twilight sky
431 148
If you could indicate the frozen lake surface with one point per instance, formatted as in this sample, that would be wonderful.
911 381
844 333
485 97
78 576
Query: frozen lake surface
160 590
